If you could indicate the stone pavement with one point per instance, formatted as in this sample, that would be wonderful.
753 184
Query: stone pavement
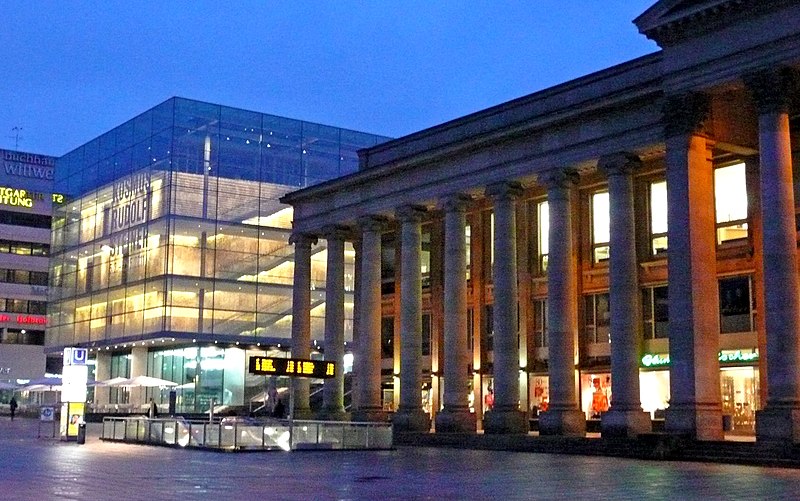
42 470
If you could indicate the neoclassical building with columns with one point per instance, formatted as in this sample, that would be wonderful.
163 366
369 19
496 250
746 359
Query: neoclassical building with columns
633 230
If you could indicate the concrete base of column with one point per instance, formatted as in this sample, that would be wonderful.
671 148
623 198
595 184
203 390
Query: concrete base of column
370 415
502 422
302 413
778 424
411 420
565 423
625 423
333 415
699 423
460 421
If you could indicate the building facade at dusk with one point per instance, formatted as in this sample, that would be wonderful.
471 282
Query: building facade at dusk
616 249
26 201
171 254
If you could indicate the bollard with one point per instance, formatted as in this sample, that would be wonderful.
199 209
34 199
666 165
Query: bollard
81 433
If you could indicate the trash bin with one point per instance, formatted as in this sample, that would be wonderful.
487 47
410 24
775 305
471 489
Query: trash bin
81 433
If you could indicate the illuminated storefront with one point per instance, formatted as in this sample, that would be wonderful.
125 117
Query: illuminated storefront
172 245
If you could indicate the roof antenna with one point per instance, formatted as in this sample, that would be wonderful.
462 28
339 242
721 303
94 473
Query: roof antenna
16 137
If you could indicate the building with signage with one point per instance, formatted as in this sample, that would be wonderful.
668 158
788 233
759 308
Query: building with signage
26 201
171 255
513 262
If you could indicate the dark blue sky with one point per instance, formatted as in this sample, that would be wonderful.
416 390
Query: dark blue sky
73 69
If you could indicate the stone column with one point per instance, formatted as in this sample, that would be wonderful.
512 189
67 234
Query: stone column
563 416
695 396
780 418
625 417
301 318
102 394
455 416
409 415
368 349
138 394
333 389
505 416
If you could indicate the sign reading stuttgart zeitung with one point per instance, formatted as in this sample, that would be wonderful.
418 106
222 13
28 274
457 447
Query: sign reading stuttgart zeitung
298 367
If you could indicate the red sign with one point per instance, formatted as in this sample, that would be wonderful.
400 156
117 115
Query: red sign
25 319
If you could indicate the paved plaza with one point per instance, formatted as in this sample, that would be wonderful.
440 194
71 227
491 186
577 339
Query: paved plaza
40 469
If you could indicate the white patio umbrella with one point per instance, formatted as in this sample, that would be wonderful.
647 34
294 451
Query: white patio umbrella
43 384
146 381
109 382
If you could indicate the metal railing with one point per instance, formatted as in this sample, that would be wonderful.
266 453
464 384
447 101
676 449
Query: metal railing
268 435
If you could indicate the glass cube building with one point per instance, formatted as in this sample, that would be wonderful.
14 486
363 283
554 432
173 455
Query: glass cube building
171 255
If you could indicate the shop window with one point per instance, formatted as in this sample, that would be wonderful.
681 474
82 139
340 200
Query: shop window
655 312
595 394
658 217
598 319
426 335
543 232
540 323
730 195
601 234
735 305
387 337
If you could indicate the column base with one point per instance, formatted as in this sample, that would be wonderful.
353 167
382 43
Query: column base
778 424
333 415
697 422
411 420
459 421
502 422
566 423
303 413
625 423
370 415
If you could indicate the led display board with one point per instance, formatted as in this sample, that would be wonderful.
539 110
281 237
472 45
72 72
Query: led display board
299 367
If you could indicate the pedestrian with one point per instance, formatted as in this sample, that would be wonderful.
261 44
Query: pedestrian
13 406
280 410
153 410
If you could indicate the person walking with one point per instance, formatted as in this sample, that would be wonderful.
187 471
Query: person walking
13 406
153 410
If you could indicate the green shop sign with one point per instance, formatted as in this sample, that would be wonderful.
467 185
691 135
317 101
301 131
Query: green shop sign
725 357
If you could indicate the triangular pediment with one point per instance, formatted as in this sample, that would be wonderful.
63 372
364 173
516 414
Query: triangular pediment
669 21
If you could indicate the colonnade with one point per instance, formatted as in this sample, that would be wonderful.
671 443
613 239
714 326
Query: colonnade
695 405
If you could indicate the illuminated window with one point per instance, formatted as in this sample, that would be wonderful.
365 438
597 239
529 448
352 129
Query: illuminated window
425 259
543 229
655 312
540 323
730 194
658 216
468 241
491 238
600 226
598 319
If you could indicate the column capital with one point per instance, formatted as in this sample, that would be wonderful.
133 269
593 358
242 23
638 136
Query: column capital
620 163
303 239
372 223
504 190
336 232
558 178
411 213
456 202
686 114
773 90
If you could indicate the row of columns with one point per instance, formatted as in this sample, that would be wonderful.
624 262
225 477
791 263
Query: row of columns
695 404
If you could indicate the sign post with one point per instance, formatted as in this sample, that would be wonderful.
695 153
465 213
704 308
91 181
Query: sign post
73 392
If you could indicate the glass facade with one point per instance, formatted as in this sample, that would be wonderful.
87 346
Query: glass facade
172 229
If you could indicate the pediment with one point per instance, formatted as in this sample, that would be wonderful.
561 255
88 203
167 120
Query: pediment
670 21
